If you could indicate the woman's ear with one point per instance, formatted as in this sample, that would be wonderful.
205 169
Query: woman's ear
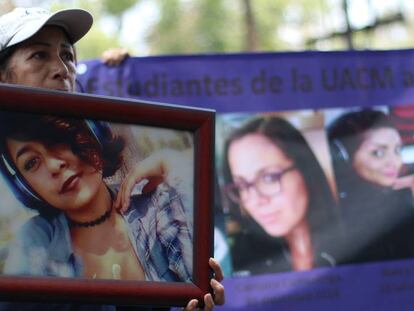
6 75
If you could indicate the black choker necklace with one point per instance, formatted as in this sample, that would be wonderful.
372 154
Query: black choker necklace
91 223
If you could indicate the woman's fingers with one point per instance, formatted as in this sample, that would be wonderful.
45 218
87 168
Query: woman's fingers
151 168
118 200
192 305
218 289
128 185
218 272
208 302
122 200
114 56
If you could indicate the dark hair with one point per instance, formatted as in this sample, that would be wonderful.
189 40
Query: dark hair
281 133
345 135
5 57
104 155
350 128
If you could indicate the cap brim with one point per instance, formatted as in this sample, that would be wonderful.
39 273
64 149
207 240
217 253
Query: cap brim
75 22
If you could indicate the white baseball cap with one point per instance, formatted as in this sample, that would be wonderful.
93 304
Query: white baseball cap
22 23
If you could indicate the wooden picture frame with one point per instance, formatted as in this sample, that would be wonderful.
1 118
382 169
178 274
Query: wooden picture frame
200 123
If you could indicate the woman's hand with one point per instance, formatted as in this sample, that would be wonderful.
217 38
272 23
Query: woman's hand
114 56
405 182
161 166
218 289
154 168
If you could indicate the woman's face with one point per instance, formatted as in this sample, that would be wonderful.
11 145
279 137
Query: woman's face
378 158
56 174
253 156
46 60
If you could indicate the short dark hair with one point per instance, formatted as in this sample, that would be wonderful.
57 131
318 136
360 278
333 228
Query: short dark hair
104 155
351 127
52 130
5 57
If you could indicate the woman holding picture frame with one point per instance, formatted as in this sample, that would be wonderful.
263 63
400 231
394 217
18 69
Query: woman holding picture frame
36 49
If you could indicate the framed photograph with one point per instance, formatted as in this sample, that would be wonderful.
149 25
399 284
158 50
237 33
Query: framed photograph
104 200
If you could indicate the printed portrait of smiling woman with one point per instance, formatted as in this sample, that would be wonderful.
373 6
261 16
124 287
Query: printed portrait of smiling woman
379 219
282 198
378 158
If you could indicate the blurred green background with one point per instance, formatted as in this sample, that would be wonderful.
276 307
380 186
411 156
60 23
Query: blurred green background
159 27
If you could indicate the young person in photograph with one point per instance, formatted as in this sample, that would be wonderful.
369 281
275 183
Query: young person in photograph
37 50
62 165
379 219
281 194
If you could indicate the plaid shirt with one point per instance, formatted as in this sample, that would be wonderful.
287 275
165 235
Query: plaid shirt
161 236
158 231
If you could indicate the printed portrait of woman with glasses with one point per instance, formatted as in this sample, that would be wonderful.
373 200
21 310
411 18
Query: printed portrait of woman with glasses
280 196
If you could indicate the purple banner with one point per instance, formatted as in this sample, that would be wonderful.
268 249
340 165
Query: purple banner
382 286
260 82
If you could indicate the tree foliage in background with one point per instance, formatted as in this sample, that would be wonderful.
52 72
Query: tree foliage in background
97 40
118 7
224 26
194 27
216 26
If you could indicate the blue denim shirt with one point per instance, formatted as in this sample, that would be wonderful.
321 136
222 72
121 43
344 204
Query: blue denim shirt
158 231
